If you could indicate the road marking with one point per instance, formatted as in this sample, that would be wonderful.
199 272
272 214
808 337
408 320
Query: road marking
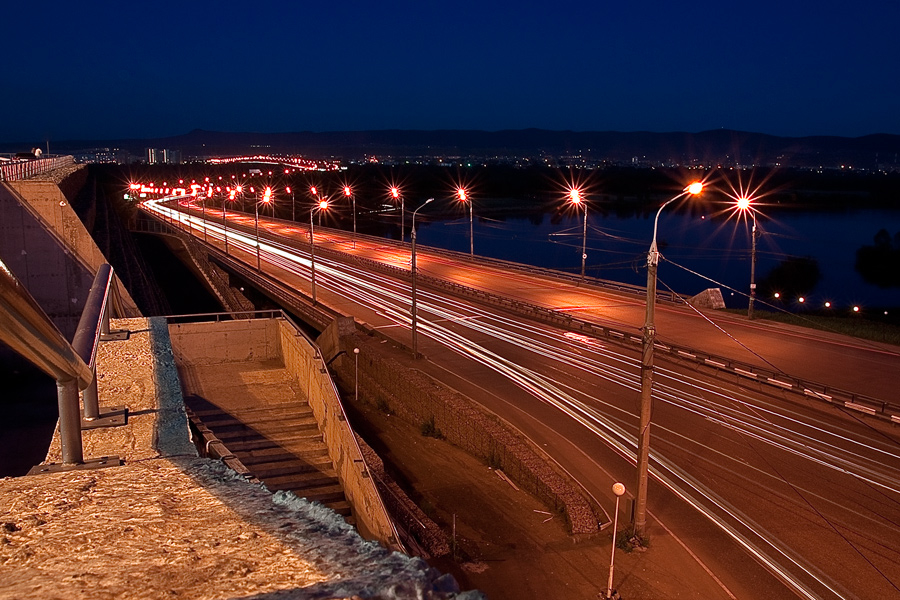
694 556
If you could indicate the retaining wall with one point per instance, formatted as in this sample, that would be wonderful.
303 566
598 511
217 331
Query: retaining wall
265 339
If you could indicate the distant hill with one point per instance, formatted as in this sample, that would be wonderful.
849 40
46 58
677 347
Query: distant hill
717 146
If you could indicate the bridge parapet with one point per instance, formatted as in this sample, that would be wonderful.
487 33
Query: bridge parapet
17 169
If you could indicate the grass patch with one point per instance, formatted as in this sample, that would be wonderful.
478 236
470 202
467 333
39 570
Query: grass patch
429 429
628 541
858 327
493 459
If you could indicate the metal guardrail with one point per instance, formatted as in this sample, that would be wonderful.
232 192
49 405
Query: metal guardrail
15 170
27 329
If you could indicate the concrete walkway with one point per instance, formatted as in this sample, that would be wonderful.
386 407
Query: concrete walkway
170 524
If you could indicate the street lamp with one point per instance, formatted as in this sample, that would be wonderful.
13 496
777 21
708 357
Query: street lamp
619 490
315 194
415 346
647 342
395 194
231 194
349 193
203 200
321 206
577 200
463 196
743 204
267 197
293 203
356 375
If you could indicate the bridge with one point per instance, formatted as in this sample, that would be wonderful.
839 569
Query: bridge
769 440
780 448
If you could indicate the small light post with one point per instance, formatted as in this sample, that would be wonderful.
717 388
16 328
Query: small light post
619 490
356 375
415 340
463 196
323 205
349 193
647 344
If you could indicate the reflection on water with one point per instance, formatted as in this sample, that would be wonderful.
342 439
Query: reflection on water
714 247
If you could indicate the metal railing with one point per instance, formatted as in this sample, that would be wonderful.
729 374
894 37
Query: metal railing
27 329
14 170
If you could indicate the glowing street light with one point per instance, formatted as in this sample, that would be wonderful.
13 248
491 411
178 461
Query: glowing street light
231 194
744 204
415 339
619 490
577 199
266 199
395 194
321 206
647 344
349 194
293 203
463 196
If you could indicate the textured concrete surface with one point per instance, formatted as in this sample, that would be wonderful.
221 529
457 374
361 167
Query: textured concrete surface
170 524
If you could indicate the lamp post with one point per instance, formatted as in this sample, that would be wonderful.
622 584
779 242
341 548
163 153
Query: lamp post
743 204
647 341
267 197
395 194
203 205
618 489
463 196
293 203
415 340
231 194
315 194
349 193
577 199
323 205
356 375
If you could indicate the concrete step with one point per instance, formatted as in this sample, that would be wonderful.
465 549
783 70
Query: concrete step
272 429
302 480
278 453
288 467
325 494
343 508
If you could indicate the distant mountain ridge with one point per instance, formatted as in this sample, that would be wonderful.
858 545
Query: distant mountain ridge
715 146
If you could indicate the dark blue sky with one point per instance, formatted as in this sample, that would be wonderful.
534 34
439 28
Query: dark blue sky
148 69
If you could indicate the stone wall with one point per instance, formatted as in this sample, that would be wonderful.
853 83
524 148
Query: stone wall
418 399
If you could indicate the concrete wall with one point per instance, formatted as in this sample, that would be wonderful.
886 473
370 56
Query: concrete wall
418 399
45 244
304 361
228 341
263 339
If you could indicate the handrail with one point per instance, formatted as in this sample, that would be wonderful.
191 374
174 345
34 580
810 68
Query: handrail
21 169
26 328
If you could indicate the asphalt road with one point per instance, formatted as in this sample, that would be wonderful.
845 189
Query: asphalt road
810 491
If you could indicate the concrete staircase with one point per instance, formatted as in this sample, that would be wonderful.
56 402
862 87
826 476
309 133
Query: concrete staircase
278 441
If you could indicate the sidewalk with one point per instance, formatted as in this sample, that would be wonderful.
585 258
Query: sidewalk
170 524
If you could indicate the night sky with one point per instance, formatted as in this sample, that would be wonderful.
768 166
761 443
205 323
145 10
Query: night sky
107 70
